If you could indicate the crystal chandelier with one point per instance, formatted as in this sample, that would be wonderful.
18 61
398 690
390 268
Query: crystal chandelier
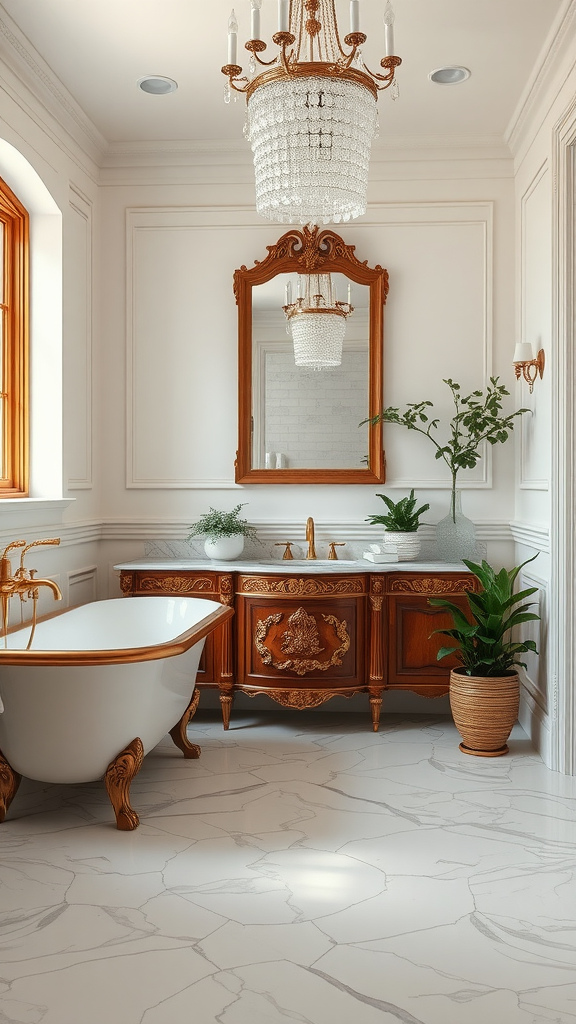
316 321
311 115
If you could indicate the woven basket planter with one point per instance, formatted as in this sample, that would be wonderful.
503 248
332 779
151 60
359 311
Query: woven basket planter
484 710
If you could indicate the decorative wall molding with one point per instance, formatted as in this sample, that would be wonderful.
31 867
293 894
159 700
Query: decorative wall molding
79 354
524 124
34 74
230 161
563 512
532 535
528 422
536 684
82 585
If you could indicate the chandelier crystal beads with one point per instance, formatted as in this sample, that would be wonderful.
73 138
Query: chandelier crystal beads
312 114
316 322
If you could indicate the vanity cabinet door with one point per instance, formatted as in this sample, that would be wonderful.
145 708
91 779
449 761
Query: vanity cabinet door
301 633
413 645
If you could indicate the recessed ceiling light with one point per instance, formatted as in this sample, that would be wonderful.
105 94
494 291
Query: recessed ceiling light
451 75
157 85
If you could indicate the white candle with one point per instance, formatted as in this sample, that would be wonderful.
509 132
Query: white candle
255 19
288 293
389 30
283 16
232 39
354 15
349 294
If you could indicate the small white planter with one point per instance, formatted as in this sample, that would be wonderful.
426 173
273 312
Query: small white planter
225 549
405 545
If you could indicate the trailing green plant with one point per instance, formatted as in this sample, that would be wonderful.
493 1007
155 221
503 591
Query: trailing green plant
483 646
215 525
477 418
402 516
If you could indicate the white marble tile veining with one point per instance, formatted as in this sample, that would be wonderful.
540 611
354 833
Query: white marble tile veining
304 869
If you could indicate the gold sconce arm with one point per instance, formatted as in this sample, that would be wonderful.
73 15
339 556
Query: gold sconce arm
529 369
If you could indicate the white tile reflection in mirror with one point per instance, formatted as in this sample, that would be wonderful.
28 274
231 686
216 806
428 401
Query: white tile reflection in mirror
304 868
305 418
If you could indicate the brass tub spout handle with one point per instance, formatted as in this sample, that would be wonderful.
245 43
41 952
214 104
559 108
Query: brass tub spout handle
332 556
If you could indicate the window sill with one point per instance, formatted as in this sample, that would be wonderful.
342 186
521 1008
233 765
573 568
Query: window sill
16 513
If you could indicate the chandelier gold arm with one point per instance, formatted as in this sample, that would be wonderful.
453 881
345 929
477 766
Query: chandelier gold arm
232 71
391 63
257 46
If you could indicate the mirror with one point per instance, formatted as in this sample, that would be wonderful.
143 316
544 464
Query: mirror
310 322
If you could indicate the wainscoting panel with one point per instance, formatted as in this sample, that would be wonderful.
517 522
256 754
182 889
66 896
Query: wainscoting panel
82 585
78 345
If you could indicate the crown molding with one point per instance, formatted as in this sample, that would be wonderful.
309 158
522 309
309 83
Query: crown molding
558 50
226 161
46 89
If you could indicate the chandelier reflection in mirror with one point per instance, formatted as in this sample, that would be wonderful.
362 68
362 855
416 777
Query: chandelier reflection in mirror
312 114
316 321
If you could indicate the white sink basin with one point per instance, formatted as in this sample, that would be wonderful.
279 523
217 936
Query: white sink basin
334 562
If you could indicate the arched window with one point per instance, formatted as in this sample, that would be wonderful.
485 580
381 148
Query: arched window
14 371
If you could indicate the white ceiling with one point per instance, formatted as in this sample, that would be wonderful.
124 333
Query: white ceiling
99 48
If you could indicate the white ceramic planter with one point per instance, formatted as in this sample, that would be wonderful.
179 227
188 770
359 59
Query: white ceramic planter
225 549
405 545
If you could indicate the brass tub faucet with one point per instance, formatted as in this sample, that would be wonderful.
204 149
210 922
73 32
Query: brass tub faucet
23 583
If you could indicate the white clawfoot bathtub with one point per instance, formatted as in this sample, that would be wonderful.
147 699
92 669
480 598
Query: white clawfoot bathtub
99 678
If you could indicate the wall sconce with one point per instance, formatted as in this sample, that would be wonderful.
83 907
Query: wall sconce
525 365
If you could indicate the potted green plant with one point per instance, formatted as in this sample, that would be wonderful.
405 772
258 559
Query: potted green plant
224 531
400 525
477 419
485 689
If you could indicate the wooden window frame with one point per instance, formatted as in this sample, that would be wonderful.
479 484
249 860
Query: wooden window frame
15 376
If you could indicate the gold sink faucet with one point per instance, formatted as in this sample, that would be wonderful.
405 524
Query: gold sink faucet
310 538
23 582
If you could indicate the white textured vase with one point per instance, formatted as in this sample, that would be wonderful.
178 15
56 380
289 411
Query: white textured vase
455 534
224 549
405 545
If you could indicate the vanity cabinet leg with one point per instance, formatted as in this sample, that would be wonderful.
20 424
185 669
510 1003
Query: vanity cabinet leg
118 777
226 704
178 733
375 707
9 782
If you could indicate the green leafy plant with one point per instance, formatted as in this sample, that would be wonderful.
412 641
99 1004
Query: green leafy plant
483 646
477 418
402 517
215 525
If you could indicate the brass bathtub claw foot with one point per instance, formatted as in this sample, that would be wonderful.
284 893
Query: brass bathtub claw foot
118 777
178 733
9 782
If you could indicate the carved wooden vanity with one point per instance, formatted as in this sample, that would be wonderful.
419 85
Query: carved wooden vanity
303 636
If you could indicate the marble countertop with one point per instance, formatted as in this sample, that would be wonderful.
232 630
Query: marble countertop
295 566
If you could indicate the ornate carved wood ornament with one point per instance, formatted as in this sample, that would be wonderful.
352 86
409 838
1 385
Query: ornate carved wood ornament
431 586
301 587
302 639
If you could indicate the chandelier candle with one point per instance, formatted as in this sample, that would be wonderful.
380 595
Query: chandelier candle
255 19
389 29
311 111
232 39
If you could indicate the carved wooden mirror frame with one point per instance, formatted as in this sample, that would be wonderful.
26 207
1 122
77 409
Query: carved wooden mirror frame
306 252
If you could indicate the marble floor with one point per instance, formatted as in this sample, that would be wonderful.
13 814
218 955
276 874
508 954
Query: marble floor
303 870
